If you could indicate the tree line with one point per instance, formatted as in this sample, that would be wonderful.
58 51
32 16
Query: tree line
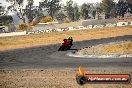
72 11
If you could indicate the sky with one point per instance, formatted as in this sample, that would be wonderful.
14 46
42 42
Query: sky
36 2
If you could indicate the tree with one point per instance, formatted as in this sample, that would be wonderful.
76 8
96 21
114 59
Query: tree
60 16
85 10
17 6
113 13
98 11
107 6
51 6
76 12
122 7
29 10
2 10
5 20
70 10
37 11
130 5
94 13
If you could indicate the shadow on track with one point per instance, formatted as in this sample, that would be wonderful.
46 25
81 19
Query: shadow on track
48 56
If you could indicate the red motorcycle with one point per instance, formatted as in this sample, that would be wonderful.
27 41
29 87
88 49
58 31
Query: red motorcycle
66 45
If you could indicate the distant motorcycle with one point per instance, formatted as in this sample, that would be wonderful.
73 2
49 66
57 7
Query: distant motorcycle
66 45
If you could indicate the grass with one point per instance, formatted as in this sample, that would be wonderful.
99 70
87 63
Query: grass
120 47
14 42
123 47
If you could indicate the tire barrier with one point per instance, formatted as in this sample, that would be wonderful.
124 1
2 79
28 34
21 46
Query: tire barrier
54 30
110 25
41 31
129 23
122 24
99 26
102 25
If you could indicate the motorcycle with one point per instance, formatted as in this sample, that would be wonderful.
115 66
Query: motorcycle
65 45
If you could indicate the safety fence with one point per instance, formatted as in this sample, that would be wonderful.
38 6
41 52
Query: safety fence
38 30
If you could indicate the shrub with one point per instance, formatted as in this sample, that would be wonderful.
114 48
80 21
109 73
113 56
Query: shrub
66 20
46 19
60 17
30 26
34 23
23 26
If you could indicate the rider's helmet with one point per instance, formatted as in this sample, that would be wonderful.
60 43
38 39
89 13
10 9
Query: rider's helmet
70 37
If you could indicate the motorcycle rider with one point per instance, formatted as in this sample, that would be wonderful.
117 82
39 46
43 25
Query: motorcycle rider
70 40
66 44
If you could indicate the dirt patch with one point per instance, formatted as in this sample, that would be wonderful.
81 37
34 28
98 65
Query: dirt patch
14 42
123 47
52 78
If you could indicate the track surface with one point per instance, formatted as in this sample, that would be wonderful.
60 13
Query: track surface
49 57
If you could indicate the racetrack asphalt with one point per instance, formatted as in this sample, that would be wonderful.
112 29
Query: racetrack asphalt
41 57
